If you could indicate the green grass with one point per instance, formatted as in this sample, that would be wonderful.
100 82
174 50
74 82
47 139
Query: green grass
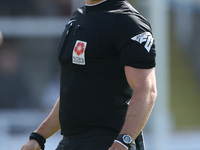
185 92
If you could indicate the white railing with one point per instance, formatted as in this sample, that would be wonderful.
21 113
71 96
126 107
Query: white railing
18 120
32 26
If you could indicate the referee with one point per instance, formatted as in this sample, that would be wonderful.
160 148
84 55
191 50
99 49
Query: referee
108 86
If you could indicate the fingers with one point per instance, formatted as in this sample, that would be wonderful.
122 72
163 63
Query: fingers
31 145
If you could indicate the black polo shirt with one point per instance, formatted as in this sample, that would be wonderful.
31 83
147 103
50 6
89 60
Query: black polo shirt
95 46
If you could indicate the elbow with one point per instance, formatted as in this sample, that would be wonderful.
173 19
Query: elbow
153 95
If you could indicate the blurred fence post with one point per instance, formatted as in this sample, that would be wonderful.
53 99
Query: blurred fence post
161 122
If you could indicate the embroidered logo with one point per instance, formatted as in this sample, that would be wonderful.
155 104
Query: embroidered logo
144 37
78 56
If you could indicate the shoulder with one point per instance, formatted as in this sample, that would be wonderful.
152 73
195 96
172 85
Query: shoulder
128 18
133 22
78 11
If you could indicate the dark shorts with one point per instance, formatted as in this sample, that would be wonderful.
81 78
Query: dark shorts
89 143
93 142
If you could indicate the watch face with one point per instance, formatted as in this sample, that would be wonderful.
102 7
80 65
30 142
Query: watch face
127 139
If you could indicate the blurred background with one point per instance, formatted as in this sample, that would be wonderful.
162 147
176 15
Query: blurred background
29 70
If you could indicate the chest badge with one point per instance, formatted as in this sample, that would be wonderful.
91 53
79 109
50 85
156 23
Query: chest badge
78 56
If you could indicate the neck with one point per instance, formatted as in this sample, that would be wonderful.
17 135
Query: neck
92 2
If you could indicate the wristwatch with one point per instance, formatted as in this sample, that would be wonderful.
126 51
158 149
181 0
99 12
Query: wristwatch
124 140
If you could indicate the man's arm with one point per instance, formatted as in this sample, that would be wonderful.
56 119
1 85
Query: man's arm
143 83
47 128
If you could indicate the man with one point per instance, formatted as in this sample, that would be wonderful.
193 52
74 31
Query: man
106 50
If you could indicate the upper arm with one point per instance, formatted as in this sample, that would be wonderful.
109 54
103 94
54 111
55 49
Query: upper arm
142 79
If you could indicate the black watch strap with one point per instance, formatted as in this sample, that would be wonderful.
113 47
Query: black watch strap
124 140
39 138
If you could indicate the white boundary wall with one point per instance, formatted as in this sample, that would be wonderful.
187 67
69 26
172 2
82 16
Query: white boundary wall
30 26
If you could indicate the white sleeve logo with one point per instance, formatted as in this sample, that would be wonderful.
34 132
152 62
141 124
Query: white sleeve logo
144 37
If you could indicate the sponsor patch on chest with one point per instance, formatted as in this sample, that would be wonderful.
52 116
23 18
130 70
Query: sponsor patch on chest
78 55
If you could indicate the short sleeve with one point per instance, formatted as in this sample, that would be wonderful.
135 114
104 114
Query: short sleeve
134 41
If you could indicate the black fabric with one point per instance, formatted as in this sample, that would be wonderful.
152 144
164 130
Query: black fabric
98 139
140 144
95 46
89 143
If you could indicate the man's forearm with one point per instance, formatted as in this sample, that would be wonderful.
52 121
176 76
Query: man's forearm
51 124
138 112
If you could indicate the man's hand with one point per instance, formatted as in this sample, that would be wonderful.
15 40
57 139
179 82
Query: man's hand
117 146
31 145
